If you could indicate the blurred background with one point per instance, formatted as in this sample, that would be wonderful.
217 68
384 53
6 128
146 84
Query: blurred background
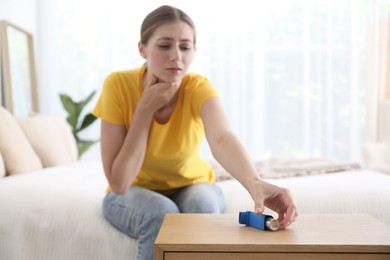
297 78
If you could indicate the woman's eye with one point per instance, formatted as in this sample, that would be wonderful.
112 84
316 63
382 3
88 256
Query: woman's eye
168 46
186 47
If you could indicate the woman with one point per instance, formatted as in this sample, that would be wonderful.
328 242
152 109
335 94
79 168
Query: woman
154 119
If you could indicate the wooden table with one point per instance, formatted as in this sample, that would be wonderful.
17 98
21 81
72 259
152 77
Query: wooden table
220 236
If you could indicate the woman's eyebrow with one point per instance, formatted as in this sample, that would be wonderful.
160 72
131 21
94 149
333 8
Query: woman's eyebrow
171 39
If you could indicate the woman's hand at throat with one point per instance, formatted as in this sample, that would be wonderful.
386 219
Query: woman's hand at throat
158 94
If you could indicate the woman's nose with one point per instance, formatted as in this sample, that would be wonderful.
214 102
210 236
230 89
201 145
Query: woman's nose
175 54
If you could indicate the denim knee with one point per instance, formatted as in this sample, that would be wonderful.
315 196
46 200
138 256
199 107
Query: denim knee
137 209
200 198
154 211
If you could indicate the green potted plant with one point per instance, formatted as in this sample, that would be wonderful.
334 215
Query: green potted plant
74 110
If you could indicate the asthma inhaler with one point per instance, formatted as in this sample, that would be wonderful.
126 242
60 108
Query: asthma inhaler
260 221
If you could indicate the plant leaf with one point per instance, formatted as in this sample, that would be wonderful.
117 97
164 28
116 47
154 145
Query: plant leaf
71 107
74 110
80 106
84 145
72 121
68 103
87 121
87 100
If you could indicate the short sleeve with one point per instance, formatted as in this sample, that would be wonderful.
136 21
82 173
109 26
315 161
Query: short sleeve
203 91
108 107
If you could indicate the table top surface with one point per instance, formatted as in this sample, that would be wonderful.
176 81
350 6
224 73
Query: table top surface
309 230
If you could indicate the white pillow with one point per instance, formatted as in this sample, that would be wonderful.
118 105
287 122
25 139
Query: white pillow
51 138
379 167
374 153
17 152
384 122
2 167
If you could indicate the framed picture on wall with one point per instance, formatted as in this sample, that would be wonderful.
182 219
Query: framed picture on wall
18 70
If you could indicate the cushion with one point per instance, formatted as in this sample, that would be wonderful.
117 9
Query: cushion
51 138
384 122
16 150
376 153
2 167
379 167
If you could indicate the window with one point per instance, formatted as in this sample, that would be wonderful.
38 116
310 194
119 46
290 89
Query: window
294 75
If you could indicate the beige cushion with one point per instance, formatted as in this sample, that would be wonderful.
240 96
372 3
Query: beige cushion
51 138
376 153
384 122
2 167
384 168
17 152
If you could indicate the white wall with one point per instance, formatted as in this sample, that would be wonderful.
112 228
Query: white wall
21 13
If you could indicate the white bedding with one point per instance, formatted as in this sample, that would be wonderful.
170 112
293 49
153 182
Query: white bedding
360 191
56 213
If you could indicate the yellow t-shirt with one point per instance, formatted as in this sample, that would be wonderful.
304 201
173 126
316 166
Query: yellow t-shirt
172 158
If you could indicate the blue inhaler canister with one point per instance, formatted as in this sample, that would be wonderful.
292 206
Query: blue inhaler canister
260 221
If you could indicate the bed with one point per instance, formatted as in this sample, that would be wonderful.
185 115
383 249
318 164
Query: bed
55 213
50 202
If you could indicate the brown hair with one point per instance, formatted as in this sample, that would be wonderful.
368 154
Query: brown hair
163 14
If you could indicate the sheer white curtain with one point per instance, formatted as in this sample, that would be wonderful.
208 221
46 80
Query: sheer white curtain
296 76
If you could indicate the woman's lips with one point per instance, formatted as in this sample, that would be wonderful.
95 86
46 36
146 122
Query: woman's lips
174 70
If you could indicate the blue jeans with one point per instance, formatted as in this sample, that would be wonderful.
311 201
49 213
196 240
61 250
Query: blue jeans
140 212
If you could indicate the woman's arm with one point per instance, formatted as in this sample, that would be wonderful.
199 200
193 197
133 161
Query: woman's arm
230 153
123 152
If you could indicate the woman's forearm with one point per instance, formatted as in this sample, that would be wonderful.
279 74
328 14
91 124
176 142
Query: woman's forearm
128 162
230 153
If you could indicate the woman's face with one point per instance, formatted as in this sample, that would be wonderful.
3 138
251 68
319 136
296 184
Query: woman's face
169 51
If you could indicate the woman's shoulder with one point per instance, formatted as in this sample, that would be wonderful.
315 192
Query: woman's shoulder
195 79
